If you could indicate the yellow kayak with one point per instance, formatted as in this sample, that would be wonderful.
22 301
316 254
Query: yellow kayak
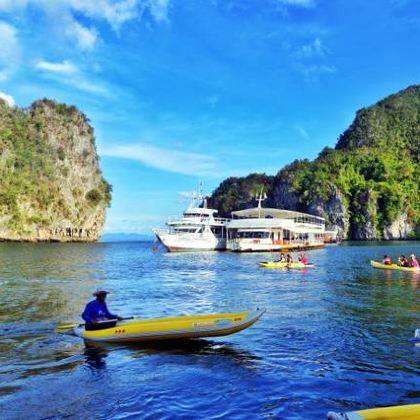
399 412
189 326
377 264
278 264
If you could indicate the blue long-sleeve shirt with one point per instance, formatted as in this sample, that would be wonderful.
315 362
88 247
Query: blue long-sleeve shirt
96 311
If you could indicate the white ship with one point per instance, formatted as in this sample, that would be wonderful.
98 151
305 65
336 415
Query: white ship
197 230
267 229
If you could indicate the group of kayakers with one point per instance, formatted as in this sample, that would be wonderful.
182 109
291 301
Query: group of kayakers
403 261
97 316
288 259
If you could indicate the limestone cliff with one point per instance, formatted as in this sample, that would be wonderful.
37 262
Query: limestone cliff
51 185
367 188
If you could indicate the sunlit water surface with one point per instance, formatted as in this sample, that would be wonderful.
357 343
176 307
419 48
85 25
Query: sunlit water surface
334 337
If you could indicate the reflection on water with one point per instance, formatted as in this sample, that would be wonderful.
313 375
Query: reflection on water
96 353
334 337
95 357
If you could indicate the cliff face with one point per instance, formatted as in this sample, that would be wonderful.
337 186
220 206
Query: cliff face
51 185
366 188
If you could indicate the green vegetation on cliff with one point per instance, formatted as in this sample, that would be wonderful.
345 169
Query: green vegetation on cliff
50 178
367 187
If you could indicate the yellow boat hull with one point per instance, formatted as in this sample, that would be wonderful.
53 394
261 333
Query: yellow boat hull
190 326
377 264
400 412
277 264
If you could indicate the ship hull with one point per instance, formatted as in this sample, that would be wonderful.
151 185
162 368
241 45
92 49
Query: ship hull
176 243
270 247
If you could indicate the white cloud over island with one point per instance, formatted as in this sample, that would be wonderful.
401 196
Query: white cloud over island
64 67
9 50
181 162
8 99
66 14
301 3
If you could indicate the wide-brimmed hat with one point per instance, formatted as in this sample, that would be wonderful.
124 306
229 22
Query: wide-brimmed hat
412 256
100 291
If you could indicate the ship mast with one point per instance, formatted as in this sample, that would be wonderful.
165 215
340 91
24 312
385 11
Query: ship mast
260 199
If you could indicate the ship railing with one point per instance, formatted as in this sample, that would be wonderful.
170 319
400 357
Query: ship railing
280 242
221 220
196 219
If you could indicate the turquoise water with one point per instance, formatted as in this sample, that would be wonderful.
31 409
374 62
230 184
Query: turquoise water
334 337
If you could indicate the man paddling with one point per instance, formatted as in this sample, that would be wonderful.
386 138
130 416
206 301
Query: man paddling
96 313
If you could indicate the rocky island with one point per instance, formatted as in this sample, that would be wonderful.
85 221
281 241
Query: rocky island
366 188
51 184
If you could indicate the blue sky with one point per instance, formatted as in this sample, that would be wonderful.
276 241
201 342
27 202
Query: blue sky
185 90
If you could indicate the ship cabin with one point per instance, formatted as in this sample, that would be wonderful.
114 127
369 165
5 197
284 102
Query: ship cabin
198 220
267 229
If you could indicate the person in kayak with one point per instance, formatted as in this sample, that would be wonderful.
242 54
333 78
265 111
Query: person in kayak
282 258
414 262
96 313
402 261
304 259
289 259
387 260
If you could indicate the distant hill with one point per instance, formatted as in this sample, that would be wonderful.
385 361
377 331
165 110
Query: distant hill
126 237
367 187
51 184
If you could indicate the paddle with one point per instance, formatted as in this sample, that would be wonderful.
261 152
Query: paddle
69 326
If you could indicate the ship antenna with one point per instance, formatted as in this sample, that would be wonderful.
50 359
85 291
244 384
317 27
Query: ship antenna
201 197
260 199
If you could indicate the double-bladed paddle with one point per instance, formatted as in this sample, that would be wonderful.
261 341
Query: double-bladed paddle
71 325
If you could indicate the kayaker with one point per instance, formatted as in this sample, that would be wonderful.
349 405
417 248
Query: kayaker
96 312
289 259
282 258
414 262
402 261
387 260
304 259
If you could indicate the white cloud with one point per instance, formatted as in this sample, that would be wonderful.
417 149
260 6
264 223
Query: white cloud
310 58
212 101
65 67
8 5
302 131
80 83
65 15
9 50
316 48
316 70
8 99
115 12
170 160
85 38
300 3
89 87
159 9
67 73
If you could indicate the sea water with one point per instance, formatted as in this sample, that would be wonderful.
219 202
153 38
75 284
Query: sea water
335 337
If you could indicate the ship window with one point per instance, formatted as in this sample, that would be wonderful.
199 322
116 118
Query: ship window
217 230
185 230
196 215
253 235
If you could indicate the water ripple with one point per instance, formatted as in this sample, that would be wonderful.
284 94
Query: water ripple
334 337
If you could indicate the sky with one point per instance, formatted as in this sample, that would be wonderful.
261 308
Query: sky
183 91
